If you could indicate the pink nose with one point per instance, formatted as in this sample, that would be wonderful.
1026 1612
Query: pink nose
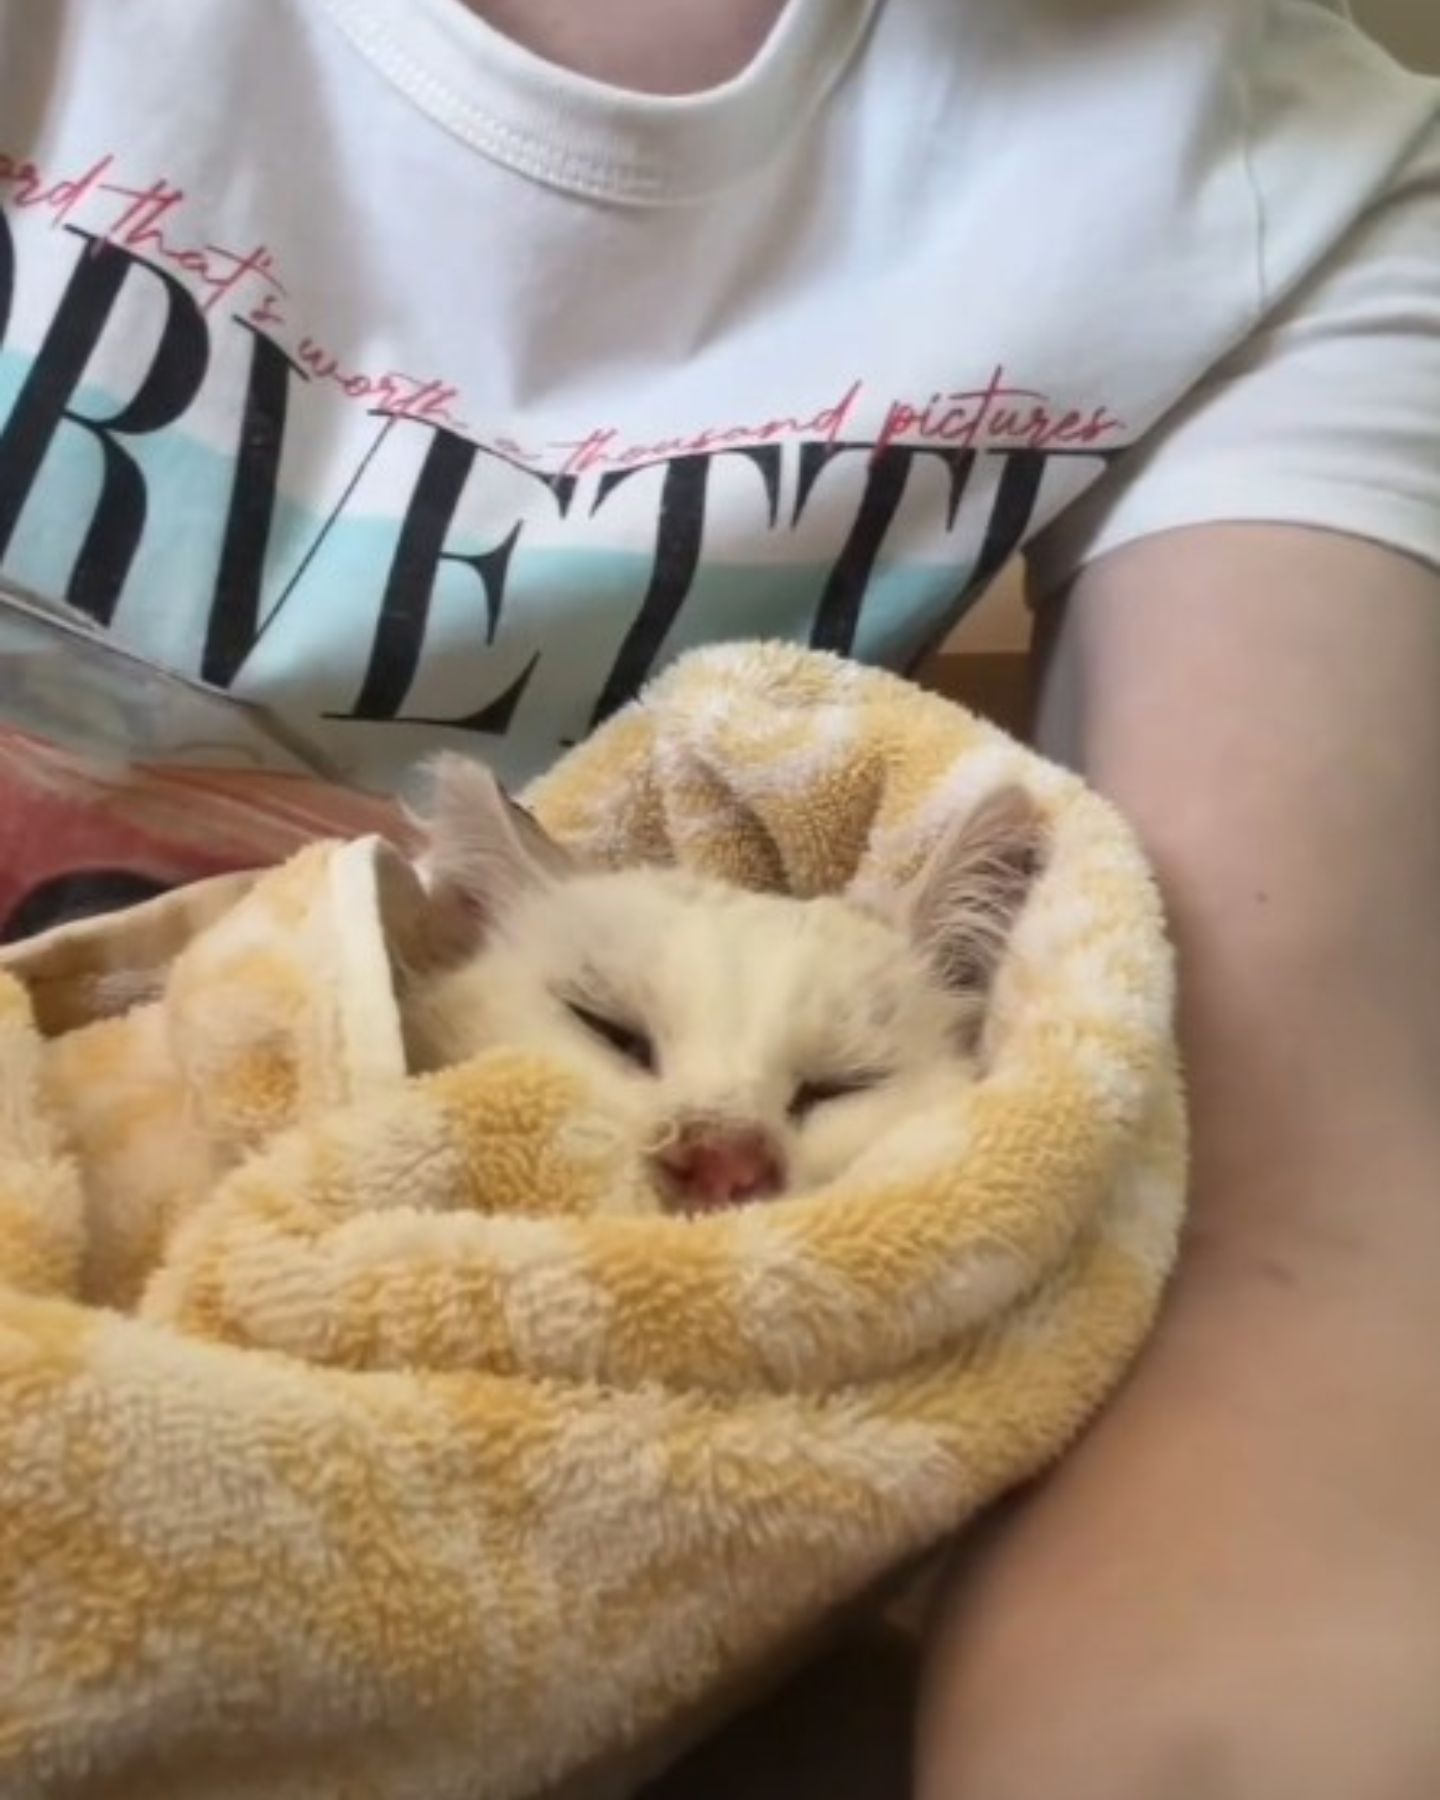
719 1165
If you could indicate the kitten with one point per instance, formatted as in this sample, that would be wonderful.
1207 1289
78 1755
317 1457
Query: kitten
760 1042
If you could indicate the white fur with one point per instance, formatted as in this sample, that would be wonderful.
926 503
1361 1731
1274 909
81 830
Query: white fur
746 998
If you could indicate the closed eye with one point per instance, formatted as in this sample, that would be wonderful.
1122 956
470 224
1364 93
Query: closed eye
812 1094
625 1040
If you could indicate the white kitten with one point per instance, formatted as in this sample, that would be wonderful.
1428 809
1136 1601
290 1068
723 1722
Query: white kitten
760 1043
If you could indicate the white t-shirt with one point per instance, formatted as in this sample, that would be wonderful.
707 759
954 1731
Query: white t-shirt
362 364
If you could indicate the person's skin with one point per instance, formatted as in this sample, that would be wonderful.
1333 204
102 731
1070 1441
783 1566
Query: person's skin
650 46
1230 1590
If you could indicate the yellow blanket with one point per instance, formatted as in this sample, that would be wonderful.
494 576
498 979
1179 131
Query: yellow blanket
349 1447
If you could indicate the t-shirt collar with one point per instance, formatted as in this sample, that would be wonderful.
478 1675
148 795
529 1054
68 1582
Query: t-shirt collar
589 138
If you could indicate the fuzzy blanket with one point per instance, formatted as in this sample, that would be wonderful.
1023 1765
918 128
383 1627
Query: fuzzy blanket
350 1446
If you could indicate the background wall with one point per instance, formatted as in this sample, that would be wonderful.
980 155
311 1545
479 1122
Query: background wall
1410 27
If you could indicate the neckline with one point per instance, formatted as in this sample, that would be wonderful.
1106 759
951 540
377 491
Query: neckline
591 139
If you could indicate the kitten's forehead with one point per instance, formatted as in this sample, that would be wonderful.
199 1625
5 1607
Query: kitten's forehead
665 935
623 908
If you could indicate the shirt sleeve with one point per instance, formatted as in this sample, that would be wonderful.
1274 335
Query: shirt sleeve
1328 415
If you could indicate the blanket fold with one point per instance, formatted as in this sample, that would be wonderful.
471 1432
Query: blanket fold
355 1438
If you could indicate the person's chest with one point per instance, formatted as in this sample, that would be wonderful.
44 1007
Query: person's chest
305 395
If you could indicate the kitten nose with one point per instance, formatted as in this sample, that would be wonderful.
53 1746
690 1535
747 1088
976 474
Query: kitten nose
721 1165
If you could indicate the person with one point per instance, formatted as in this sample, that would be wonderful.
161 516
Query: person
428 372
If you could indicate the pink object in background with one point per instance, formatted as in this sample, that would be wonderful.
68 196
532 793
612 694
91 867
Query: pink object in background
79 837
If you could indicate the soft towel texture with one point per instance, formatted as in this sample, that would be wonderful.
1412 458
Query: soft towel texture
349 1447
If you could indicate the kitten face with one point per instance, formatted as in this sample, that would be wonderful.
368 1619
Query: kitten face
754 1043
701 1011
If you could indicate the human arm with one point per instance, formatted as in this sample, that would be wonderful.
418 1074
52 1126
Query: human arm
1232 1586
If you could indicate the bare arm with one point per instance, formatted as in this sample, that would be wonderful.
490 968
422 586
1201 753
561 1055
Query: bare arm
1233 1587
1265 704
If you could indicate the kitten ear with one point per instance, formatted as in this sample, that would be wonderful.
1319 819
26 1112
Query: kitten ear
964 902
484 852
